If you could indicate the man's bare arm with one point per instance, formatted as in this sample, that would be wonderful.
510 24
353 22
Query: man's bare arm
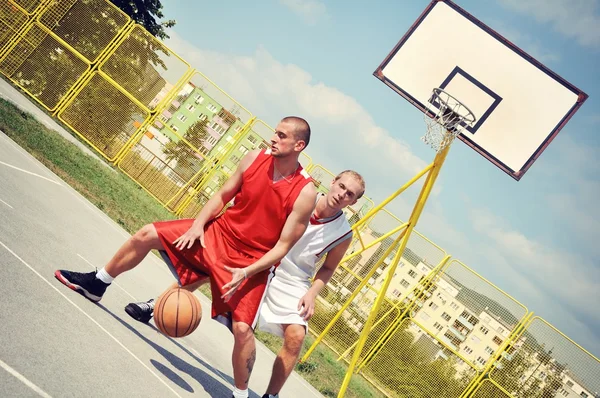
329 266
294 228
216 203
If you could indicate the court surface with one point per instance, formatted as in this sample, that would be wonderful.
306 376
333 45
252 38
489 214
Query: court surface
56 343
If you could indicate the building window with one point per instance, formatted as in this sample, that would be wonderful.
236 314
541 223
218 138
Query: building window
489 350
243 150
174 128
191 108
404 283
211 108
497 340
183 118
412 273
211 140
238 128
473 320
453 339
481 361
252 139
438 326
569 384
202 117
199 99
453 305
468 350
218 128
164 118
446 317
484 330
433 306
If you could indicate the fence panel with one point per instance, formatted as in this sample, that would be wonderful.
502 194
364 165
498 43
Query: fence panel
12 19
29 6
544 362
44 66
103 115
145 68
413 365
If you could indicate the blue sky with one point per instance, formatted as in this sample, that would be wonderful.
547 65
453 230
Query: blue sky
536 238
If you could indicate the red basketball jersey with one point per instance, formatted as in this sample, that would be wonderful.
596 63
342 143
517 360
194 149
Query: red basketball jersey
261 207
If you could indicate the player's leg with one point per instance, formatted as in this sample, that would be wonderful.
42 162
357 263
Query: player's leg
155 236
143 311
243 357
293 337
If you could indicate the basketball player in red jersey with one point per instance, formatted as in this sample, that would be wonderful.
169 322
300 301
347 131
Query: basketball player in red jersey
274 198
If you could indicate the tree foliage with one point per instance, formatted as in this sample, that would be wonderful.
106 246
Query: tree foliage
148 14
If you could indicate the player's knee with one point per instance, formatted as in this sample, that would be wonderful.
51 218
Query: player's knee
147 236
294 337
242 332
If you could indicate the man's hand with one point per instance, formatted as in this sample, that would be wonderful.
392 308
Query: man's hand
196 232
237 277
306 306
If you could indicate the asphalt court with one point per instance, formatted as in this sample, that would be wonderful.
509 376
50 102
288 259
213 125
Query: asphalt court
55 343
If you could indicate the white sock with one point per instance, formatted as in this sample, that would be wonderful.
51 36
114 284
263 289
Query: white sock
240 393
104 276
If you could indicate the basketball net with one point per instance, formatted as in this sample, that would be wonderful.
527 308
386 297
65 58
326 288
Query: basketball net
446 119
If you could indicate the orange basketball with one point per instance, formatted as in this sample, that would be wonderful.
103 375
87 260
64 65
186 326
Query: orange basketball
177 312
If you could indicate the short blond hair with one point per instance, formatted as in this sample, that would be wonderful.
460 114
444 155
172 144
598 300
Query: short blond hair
357 177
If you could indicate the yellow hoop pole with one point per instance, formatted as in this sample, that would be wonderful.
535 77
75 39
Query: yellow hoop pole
414 218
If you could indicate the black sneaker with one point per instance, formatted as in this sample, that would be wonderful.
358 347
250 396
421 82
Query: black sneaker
85 284
270 396
141 311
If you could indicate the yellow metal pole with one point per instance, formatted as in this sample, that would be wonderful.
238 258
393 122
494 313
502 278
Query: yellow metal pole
512 338
352 296
419 290
414 218
403 188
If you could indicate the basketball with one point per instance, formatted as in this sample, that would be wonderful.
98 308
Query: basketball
177 312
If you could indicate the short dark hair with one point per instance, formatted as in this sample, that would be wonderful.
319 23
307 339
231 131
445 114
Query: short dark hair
301 130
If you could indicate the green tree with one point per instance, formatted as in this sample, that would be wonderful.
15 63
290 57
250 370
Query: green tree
147 13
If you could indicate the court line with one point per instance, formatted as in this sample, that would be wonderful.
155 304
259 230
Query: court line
123 233
89 317
78 196
24 380
114 283
29 172
6 204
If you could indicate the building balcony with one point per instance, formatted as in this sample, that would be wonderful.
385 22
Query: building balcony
449 343
458 334
213 133
465 322
158 124
175 104
167 114
217 119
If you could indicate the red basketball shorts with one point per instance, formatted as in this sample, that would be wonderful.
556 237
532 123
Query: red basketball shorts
195 263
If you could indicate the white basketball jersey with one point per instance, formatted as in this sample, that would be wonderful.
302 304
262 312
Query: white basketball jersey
320 237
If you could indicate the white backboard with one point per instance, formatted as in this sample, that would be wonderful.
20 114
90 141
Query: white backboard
520 105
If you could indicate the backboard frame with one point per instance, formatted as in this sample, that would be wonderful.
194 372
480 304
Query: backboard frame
515 174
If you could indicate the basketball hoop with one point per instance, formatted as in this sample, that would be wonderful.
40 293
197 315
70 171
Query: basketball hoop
450 119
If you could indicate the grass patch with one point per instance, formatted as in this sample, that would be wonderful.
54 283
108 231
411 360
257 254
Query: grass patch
112 192
130 206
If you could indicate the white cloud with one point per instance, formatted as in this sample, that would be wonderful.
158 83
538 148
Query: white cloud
579 19
575 205
568 278
310 10
344 133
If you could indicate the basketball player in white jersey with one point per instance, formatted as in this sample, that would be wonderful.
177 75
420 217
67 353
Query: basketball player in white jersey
290 299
